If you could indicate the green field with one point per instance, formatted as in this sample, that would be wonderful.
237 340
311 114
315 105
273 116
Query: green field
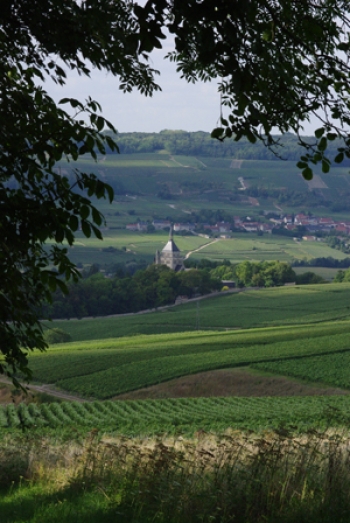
186 416
294 331
105 368
294 305
329 369
135 245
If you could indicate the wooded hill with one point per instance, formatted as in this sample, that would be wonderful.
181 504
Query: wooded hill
201 144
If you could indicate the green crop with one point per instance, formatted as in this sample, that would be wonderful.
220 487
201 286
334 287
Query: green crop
333 369
104 369
144 417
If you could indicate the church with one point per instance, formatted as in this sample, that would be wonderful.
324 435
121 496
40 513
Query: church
170 255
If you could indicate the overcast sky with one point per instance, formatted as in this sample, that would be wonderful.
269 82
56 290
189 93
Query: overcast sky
178 106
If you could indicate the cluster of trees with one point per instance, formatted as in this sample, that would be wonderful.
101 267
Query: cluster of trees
153 287
270 274
157 285
339 244
342 276
223 270
264 274
323 262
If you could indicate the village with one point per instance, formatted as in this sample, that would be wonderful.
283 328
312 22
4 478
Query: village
308 224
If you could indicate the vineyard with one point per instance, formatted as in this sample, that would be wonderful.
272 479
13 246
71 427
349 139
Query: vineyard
176 416
269 307
333 369
103 369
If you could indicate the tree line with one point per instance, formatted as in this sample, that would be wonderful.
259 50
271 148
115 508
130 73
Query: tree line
201 143
153 287
157 285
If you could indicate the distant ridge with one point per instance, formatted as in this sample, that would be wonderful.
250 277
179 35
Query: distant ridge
200 143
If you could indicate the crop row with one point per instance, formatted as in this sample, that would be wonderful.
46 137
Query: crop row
333 369
123 377
104 369
181 415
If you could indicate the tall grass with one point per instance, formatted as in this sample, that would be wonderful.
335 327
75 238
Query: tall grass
235 477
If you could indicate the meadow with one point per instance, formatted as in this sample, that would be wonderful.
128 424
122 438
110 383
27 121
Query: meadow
231 476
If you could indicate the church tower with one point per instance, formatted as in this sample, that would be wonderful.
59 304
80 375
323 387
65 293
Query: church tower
170 255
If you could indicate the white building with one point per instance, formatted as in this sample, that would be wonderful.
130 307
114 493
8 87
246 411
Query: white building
170 255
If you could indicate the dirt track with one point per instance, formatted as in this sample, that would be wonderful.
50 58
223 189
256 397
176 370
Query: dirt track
47 389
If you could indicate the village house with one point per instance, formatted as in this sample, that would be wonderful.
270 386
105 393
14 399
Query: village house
184 227
159 225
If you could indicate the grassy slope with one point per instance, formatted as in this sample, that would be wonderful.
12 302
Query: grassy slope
105 368
266 307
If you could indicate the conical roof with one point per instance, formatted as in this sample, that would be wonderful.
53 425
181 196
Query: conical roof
171 247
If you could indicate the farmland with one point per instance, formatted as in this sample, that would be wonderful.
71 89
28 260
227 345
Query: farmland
105 368
130 245
181 416
195 184
328 369
294 305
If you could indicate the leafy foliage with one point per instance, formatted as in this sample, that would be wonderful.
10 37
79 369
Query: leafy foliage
278 63
39 204
264 274
153 287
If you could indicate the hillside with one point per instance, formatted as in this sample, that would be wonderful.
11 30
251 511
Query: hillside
271 307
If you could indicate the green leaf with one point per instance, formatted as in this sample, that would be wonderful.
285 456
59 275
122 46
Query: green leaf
84 212
99 189
96 216
322 144
319 132
59 235
217 132
307 173
97 232
86 228
339 158
301 165
73 222
110 192
325 165
332 136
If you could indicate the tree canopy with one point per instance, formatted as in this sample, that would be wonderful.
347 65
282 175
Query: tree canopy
277 62
41 208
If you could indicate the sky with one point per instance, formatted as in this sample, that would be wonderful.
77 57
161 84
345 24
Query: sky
180 105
